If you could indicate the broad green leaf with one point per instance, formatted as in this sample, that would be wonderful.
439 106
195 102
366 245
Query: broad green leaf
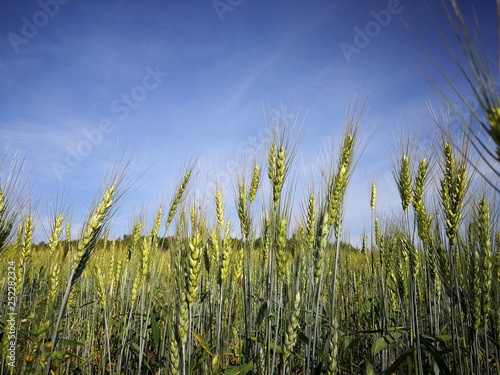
240 370
382 342
436 355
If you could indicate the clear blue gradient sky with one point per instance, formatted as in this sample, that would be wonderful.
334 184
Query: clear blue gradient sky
82 81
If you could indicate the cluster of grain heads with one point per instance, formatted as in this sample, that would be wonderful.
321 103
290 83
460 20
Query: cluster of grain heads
283 295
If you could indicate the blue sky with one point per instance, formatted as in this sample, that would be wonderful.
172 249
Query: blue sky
85 82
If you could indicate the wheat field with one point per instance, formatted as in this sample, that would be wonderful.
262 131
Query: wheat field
193 292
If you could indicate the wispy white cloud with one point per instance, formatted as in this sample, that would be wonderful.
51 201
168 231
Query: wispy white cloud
221 75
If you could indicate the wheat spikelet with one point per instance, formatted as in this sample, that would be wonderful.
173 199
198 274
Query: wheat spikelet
28 239
420 181
87 244
291 332
118 273
378 237
71 298
54 283
347 151
157 223
224 269
333 349
183 316
319 252
267 241
135 288
136 235
214 246
254 186
453 189
279 176
194 267
373 197
243 210
178 197
214 365
68 238
112 265
219 208
311 222
392 291
404 182
271 162
238 265
281 254
24 243
337 182
146 252
56 231
423 221
364 248
154 233
336 199
338 185
174 355
194 217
